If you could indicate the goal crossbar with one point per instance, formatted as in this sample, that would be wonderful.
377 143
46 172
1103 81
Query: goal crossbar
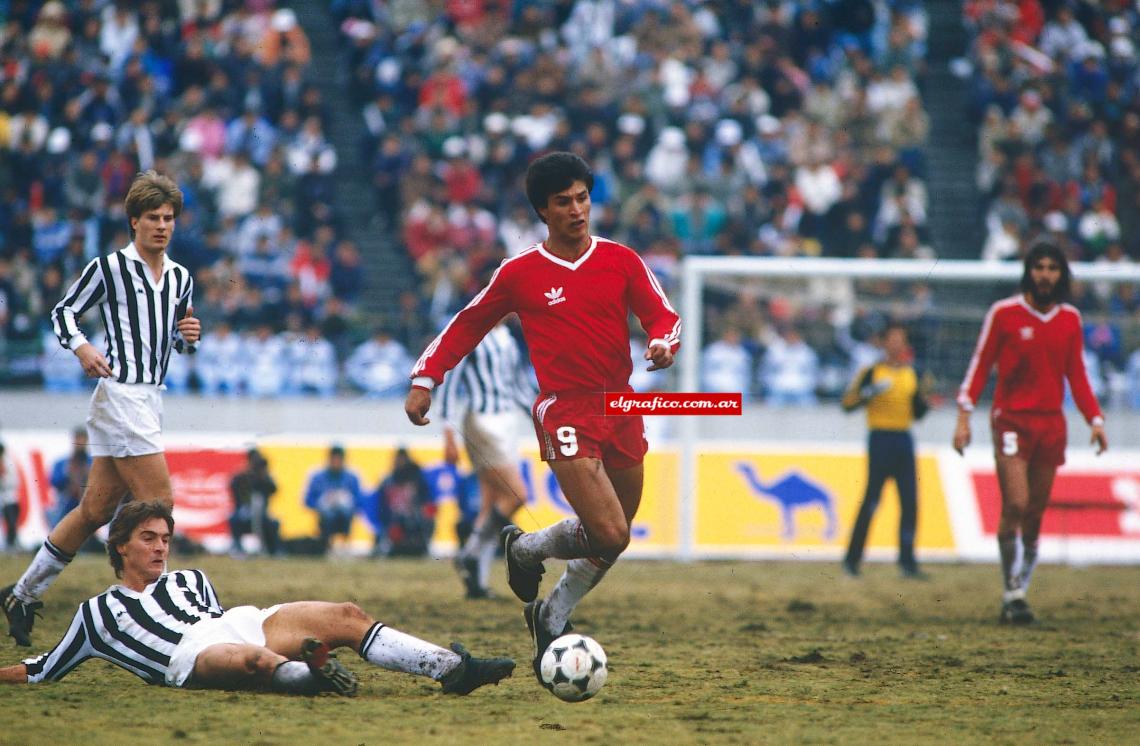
696 269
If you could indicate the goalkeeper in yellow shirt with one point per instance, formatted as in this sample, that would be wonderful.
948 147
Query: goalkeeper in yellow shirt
894 399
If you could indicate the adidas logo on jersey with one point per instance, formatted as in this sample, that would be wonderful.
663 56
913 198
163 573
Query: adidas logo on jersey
555 296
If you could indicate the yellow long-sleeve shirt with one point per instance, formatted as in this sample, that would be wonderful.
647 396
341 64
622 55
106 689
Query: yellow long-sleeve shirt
891 394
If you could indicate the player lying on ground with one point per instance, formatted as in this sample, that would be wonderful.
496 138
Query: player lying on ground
169 628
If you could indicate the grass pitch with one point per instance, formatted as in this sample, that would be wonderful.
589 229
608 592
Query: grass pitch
703 653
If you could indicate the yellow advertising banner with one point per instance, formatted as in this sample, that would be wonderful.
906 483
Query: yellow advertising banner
784 502
654 530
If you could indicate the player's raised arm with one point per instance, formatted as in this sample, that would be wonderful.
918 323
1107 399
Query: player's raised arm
658 318
457 339
189 329
858 392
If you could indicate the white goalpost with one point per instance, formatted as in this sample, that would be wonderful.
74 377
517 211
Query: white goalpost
817 279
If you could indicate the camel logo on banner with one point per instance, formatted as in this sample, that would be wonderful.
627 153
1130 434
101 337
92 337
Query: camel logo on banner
792 492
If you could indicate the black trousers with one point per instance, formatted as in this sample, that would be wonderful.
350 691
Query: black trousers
890 455
11 519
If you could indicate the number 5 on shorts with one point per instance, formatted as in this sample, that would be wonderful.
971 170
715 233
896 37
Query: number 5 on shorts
1009 443
569 440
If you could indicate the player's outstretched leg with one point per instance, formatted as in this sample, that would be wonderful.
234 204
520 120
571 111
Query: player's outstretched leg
454 669
472 673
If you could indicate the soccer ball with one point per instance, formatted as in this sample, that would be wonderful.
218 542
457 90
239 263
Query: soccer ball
574 667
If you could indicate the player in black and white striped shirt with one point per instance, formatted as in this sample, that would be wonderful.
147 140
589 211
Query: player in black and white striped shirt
169 628
482 397
145 301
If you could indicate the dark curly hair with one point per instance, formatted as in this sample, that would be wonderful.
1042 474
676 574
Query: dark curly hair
553 173
130 517
1045 249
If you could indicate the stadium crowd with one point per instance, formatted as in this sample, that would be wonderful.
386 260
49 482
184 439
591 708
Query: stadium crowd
774 128
1055 93
216 94
764 129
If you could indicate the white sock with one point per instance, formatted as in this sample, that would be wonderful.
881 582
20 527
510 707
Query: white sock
1028 561
564 540
486 559
580 577
294 677
396 651
46 566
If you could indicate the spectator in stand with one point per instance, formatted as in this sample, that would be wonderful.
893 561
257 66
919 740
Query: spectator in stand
263 373
726 364
312 364
379 365
219 363
789 370
334 494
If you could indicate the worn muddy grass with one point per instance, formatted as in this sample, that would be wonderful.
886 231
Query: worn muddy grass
710 652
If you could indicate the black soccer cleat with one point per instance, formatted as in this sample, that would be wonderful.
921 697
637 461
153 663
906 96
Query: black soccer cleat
1017 613
330 673
850 568
522 580
539 635
21 616
472 673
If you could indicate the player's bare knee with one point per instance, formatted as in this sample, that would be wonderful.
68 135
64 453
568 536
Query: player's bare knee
1013 512
609 539
94 514
353 613
258 663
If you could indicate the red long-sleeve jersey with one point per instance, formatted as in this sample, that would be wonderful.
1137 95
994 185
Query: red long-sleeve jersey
1035 352
575 317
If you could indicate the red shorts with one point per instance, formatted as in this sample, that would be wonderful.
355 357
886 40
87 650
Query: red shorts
1037 437
570 427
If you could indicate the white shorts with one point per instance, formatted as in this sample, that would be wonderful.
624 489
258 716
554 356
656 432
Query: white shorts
239 625
491 439
125 419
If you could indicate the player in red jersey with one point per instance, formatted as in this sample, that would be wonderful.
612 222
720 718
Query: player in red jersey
573 293
1035 338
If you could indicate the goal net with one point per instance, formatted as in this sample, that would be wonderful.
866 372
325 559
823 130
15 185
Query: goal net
836 306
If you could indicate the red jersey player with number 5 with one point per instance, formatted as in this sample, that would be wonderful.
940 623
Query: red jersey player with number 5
1035 338
573 293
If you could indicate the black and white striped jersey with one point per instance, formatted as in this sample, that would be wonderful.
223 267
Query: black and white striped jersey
134 630
139 314
492 379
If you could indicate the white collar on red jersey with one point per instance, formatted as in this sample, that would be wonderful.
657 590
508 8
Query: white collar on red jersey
570 265
1045 317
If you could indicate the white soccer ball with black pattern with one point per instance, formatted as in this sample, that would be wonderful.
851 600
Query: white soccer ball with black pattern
574 667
